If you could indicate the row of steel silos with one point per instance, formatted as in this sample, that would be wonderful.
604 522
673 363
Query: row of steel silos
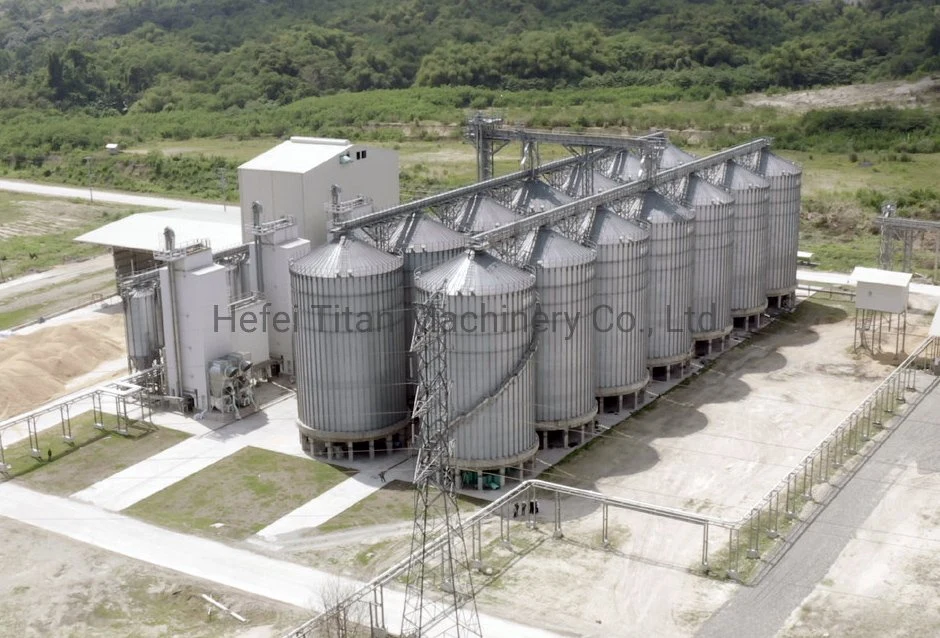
506 383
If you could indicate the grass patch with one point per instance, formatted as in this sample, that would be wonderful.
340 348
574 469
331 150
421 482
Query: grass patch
12 318
394 503
93 454
243 492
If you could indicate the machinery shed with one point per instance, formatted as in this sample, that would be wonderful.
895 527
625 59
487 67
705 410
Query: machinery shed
134 238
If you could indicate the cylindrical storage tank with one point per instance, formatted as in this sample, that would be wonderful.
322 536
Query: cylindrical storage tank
672 253
349 343
783 223
564 360
674 156
714 253
575 183
749 270
143 324
481 213
490 358
423 243
619 318
535 196
626 166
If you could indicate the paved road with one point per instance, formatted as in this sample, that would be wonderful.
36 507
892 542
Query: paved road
761 611
247 571
113 197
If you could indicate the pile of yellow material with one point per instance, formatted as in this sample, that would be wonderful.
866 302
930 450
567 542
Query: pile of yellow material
37 367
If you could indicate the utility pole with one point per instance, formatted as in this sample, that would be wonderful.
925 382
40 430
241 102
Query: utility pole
91 194
439 598
223 186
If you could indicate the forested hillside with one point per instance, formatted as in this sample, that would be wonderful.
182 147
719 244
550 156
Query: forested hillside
212 55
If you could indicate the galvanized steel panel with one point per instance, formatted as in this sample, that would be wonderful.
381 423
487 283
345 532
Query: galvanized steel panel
672 251
143 317
535 196
714 257
620 316
349 343
492 383
564 361
783 224
751 201
481 213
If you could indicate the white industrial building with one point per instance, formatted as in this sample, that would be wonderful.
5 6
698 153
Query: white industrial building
296 178
207 291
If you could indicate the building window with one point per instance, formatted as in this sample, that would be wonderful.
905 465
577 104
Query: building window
360 155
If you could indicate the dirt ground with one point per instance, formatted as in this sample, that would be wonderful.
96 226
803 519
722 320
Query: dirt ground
898 94
55 586
716 447
40 366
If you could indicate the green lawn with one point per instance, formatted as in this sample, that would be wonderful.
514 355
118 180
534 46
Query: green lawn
394 503
93 454
243 492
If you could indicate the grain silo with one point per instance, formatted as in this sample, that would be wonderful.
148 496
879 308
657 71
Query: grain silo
749 279
583 181
783 223
349 345
714 254
143 323
423 243
619 319
481 213
564 360
535 196
490 362
672 253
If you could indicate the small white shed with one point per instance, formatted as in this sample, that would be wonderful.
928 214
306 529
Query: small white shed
881 290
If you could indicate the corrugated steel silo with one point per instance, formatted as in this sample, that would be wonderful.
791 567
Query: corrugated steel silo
535 196
490 358
620 317
564 360
423 243
143 323
714 255
481 213
783 223
674 156
349 343
575 183
749 271
672 253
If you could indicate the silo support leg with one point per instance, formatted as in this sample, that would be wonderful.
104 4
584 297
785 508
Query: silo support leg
350 448
371 450
565 435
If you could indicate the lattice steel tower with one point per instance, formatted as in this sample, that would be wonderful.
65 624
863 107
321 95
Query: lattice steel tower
439 599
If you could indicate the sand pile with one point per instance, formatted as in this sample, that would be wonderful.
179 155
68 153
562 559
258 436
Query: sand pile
36 368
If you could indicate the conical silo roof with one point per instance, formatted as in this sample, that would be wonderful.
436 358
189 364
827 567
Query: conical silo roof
611 228
674 156
738 178
345 257
535 196
773 165
659 210
576 178
481 213
626 167
418 232
701 193
475 273
550 249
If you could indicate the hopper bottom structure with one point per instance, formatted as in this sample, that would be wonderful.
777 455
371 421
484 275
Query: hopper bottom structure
338 445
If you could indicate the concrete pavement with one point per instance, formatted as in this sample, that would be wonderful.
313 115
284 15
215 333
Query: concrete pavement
279 580
761 610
